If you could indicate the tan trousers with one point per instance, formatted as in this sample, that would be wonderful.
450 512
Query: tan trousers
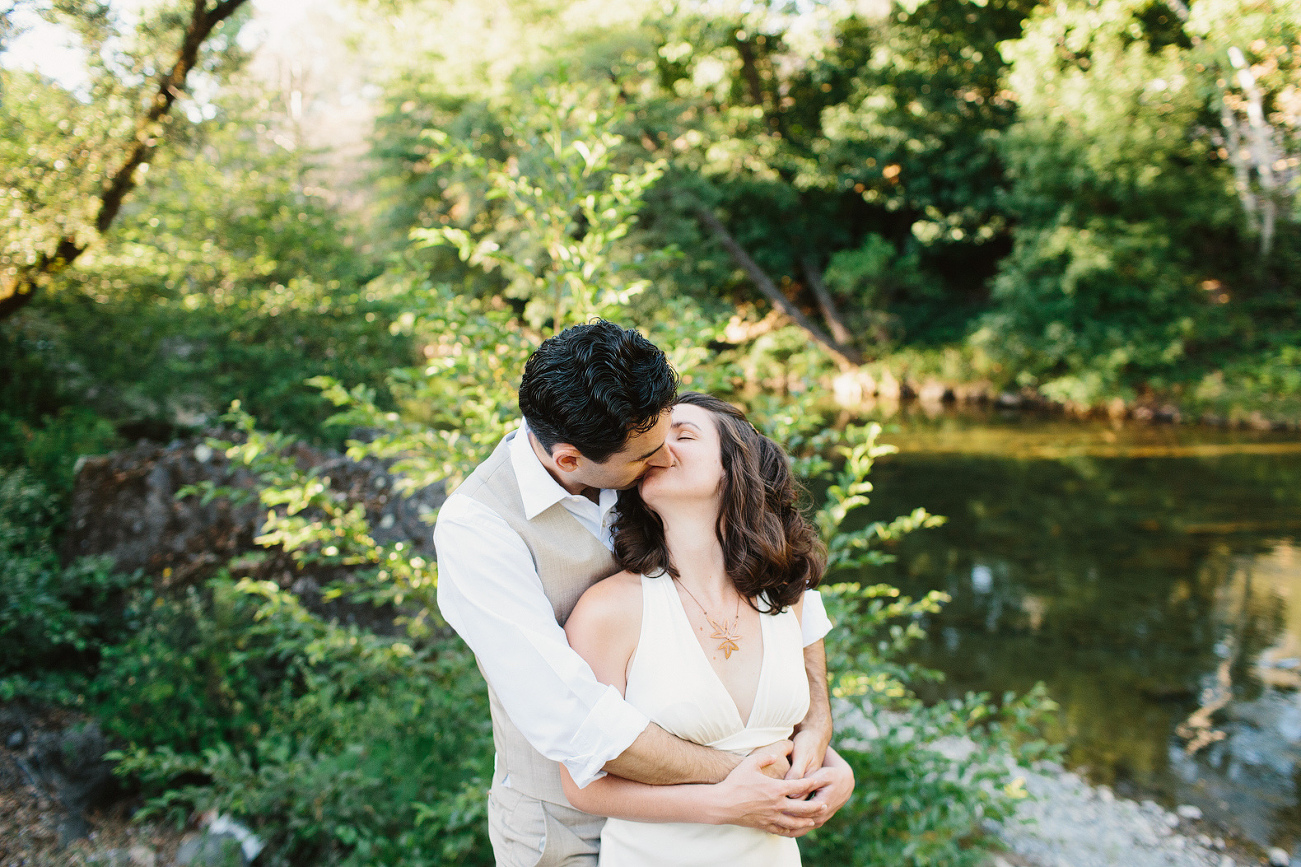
526 832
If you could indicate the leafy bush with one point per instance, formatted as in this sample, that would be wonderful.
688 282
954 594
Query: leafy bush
53 618
341 746
49 448
927 778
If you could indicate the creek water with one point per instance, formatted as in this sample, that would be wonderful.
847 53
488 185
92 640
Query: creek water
1149 576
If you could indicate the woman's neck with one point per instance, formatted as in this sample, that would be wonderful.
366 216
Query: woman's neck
698 555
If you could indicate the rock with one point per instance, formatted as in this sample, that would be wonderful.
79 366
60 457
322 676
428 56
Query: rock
210 850
853 388
13 726
223 843
1189 812
70 764
934 392
248 841
124 506
135 856
888 388
1278 857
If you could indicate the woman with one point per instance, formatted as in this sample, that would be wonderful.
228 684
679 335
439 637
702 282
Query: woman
702 631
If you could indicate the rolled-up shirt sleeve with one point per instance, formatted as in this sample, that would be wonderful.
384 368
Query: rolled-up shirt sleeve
490 593
814 622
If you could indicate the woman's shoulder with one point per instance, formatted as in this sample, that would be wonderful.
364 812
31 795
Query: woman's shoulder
610 597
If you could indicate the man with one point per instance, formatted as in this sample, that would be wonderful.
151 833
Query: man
518 543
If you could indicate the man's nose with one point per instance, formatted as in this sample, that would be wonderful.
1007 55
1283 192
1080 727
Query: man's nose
661 458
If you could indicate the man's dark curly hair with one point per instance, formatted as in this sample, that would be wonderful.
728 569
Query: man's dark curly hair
771 552
593 386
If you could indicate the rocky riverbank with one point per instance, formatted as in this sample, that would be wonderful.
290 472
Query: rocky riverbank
1068 823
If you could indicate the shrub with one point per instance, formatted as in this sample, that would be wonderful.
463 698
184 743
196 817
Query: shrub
53 618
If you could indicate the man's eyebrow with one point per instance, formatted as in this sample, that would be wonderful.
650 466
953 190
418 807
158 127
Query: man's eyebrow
649 453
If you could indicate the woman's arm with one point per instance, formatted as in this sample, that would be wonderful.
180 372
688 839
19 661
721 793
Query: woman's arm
744 798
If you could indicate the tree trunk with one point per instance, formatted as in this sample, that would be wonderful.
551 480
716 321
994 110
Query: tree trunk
17 287
830 312
846 356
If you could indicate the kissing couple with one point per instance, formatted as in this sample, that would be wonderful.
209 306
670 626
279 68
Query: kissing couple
633 574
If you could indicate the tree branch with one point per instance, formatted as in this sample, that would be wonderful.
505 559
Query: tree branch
18 286
830 312
845 356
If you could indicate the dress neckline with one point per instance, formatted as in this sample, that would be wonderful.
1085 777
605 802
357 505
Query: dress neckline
680 609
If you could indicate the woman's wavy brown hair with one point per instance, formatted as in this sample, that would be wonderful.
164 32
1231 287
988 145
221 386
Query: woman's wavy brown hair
771 551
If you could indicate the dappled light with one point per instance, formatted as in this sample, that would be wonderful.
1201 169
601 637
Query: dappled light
1014 283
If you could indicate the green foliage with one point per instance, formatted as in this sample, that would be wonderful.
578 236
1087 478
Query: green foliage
345 744
1128 234
49 449
564 204
228 275
60 146
928 779
453 409
339 744
53 618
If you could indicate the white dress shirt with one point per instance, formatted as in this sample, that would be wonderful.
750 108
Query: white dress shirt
490 593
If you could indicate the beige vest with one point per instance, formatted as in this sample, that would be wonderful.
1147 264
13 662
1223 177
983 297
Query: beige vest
569 559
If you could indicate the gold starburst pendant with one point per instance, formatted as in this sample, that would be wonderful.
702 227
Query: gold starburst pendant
728 635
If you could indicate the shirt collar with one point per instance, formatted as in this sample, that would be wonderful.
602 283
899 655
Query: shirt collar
537 488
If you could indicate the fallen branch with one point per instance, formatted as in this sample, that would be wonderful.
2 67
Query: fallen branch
846 356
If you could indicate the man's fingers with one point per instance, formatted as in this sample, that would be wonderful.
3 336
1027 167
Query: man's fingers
801 770
797 789
802 809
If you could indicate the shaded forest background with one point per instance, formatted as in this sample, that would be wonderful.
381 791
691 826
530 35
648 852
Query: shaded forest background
805 203
1093 199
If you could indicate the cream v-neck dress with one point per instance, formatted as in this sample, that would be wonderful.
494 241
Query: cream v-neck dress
672 682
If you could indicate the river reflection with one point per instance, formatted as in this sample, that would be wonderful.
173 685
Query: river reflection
1150 577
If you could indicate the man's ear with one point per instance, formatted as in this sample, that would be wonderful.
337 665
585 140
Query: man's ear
566 457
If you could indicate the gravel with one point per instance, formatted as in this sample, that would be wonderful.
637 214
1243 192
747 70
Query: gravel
1070 823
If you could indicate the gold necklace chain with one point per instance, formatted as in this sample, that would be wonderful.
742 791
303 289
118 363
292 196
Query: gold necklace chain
727 633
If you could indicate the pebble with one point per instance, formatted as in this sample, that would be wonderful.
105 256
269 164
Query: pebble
1189 812
1065 821
1278 857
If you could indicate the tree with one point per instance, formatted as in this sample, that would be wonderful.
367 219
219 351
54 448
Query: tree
1121 206
71 175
